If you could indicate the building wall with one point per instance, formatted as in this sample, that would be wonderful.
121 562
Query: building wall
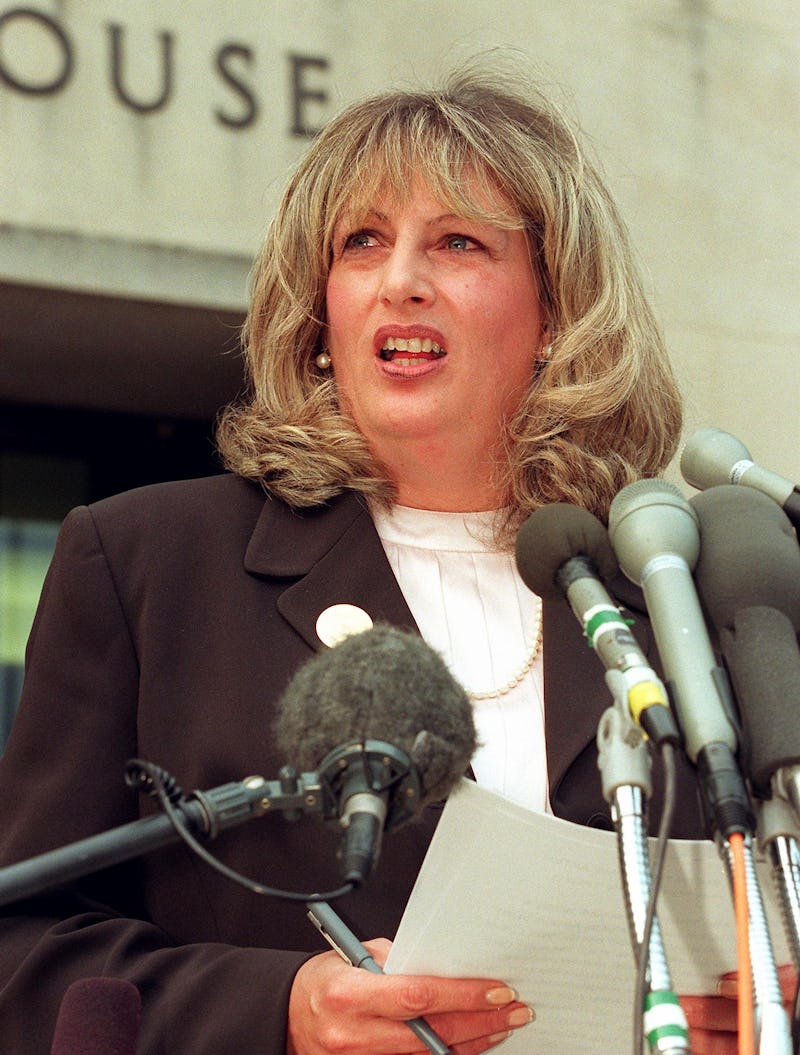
143 144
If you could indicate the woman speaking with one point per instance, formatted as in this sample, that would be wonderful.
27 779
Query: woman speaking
446 331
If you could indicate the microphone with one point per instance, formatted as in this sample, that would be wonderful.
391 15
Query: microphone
748 576
98 1016
713 457
389 728
655 535
563 551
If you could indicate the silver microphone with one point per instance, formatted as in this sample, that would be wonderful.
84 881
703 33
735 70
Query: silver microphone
655 535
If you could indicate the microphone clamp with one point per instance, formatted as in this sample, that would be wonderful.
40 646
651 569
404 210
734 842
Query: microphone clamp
373 767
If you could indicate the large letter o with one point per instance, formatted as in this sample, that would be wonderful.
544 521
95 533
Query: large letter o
62 40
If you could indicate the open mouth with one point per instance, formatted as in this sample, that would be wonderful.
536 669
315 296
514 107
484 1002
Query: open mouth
410 349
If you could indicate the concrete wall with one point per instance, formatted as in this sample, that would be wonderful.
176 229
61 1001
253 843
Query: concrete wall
158 190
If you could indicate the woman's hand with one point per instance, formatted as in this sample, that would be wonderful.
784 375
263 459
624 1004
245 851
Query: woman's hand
335 1009
713 1019
712 1024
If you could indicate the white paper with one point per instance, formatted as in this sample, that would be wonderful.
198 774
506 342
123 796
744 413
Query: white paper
537 902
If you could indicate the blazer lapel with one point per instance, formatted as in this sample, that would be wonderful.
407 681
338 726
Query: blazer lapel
319 562
575 691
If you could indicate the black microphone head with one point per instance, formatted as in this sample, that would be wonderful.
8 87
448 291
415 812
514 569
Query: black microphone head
763 658
554 534
98 1016
749 555
383 684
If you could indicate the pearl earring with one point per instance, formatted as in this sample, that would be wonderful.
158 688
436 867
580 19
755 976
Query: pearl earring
323 361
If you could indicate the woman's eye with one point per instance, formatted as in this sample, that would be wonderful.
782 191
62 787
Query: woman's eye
359 240
460 242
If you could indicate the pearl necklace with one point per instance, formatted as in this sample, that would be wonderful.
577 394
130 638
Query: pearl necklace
530 659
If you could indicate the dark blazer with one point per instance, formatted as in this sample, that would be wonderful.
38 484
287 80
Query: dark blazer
170 623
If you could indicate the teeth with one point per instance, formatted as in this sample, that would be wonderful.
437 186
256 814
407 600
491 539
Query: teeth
413 344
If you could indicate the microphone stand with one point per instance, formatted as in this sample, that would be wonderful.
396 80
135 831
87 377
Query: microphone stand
778 839
724 794
770 1015
625 766
728 807
205 814
624 762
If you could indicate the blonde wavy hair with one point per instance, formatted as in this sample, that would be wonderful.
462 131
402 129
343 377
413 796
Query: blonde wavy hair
601 411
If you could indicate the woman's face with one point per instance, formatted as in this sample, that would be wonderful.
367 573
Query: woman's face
434 328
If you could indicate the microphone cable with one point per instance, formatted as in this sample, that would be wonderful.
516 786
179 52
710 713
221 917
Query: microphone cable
745 1004
640 1000
161 785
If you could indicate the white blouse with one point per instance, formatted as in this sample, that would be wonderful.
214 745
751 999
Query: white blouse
472 607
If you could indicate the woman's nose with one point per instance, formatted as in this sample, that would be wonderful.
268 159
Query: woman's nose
406 277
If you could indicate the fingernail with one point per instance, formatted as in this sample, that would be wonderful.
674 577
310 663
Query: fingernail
501 995
521 1016
728 987
498 1038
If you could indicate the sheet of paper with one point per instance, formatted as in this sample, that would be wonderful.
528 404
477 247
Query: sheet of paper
538 902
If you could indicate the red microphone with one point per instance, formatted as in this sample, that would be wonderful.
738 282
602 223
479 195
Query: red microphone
98 1016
